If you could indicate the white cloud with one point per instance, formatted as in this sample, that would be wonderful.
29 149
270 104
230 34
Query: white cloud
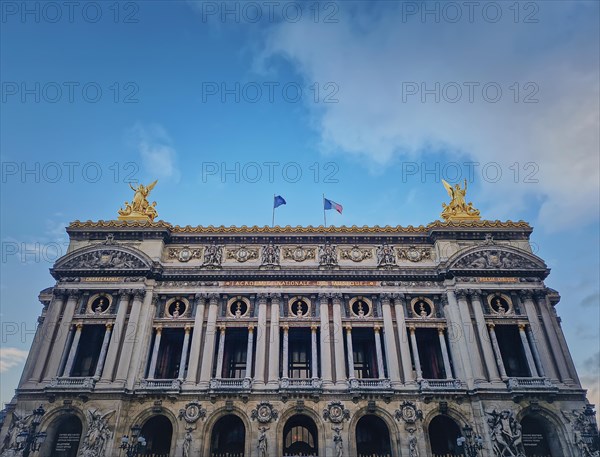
370 55
11 357
159 157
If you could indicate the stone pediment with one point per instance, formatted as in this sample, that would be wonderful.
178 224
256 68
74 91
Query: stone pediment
495 258
104 258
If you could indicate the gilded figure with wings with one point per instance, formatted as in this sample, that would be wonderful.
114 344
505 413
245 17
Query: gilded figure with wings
139 209
458 209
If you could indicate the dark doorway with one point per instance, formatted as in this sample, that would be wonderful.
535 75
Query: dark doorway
158 432
300 437
539 438
511 348
66 437
443 432
372 437
88 351
228 437
169 354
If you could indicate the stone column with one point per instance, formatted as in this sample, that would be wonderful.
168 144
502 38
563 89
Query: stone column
155 349
415 351
338 341
192 373
447 367
220 353
65 355
535 332
129 337
261 340
350 351
209 343
143 337
314 362
407 371
273 380
184 352
44 338
73 351
497 352
379 352
469 336
249 348
325 341
285 356
459 349
554 333
103 351
390 341
484 337
60 341
528 354
117 337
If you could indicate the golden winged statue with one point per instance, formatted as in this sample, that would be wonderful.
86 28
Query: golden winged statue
139 209
458 209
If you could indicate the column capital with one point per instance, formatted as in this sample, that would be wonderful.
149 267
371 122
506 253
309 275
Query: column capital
540 295
444 298
138 294
349 328
78 326
461 293
73 293
491 325
441 329
525 294
337 298
275 297
522 326
262 297
376 328
314 327
385 299
222 328
158 329
474 293
250 328
324 298
398 296
187 329
285 328
213 299
109 325
59 294
201 298
411 329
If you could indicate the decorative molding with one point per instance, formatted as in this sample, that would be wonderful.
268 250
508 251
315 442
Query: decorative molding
192 412
414 254
242 254
184 254
299 253
336 412
264 413
356 254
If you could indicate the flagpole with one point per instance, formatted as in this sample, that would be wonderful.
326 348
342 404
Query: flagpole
273 219
324 213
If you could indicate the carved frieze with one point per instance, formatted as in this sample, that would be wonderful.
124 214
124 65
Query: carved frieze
264 413
386 257
414 254
192 412
105 259
494 259
356 254
270 256
299 253
336 412
242 254
328 255
213 256
506 434
98 434
184 254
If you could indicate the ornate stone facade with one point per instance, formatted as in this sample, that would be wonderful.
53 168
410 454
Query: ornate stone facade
334 341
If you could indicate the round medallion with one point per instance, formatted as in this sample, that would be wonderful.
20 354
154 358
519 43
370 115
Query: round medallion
176 308
413 255
100 304
298 254
185 255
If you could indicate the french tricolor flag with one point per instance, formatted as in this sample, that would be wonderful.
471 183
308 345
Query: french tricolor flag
330 204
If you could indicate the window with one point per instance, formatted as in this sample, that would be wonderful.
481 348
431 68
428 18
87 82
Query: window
430 353
88 351
169 353
236 349
511 348
299 362
364 354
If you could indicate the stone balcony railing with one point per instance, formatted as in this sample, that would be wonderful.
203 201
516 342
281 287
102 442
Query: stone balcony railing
529 384
440 384
369 384
300 384
230 384
159 385
72 383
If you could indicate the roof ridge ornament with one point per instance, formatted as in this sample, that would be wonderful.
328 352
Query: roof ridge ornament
139 209
458 209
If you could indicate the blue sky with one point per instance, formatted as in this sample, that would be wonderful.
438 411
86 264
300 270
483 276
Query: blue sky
370 103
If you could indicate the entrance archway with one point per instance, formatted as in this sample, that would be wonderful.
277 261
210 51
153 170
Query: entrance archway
372 437
228 437
443 432
300 437
539 437
64 437
158 432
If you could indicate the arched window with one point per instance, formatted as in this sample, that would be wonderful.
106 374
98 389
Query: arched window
372 437
443 432
64 437
539 437
228 437
300 436
158 432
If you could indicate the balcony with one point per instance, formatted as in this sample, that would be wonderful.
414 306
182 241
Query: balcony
300 384
370 384
232 384
79 384
530 384
440 384
159 385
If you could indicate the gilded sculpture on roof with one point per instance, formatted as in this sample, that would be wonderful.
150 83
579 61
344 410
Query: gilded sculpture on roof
458 209
139 209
